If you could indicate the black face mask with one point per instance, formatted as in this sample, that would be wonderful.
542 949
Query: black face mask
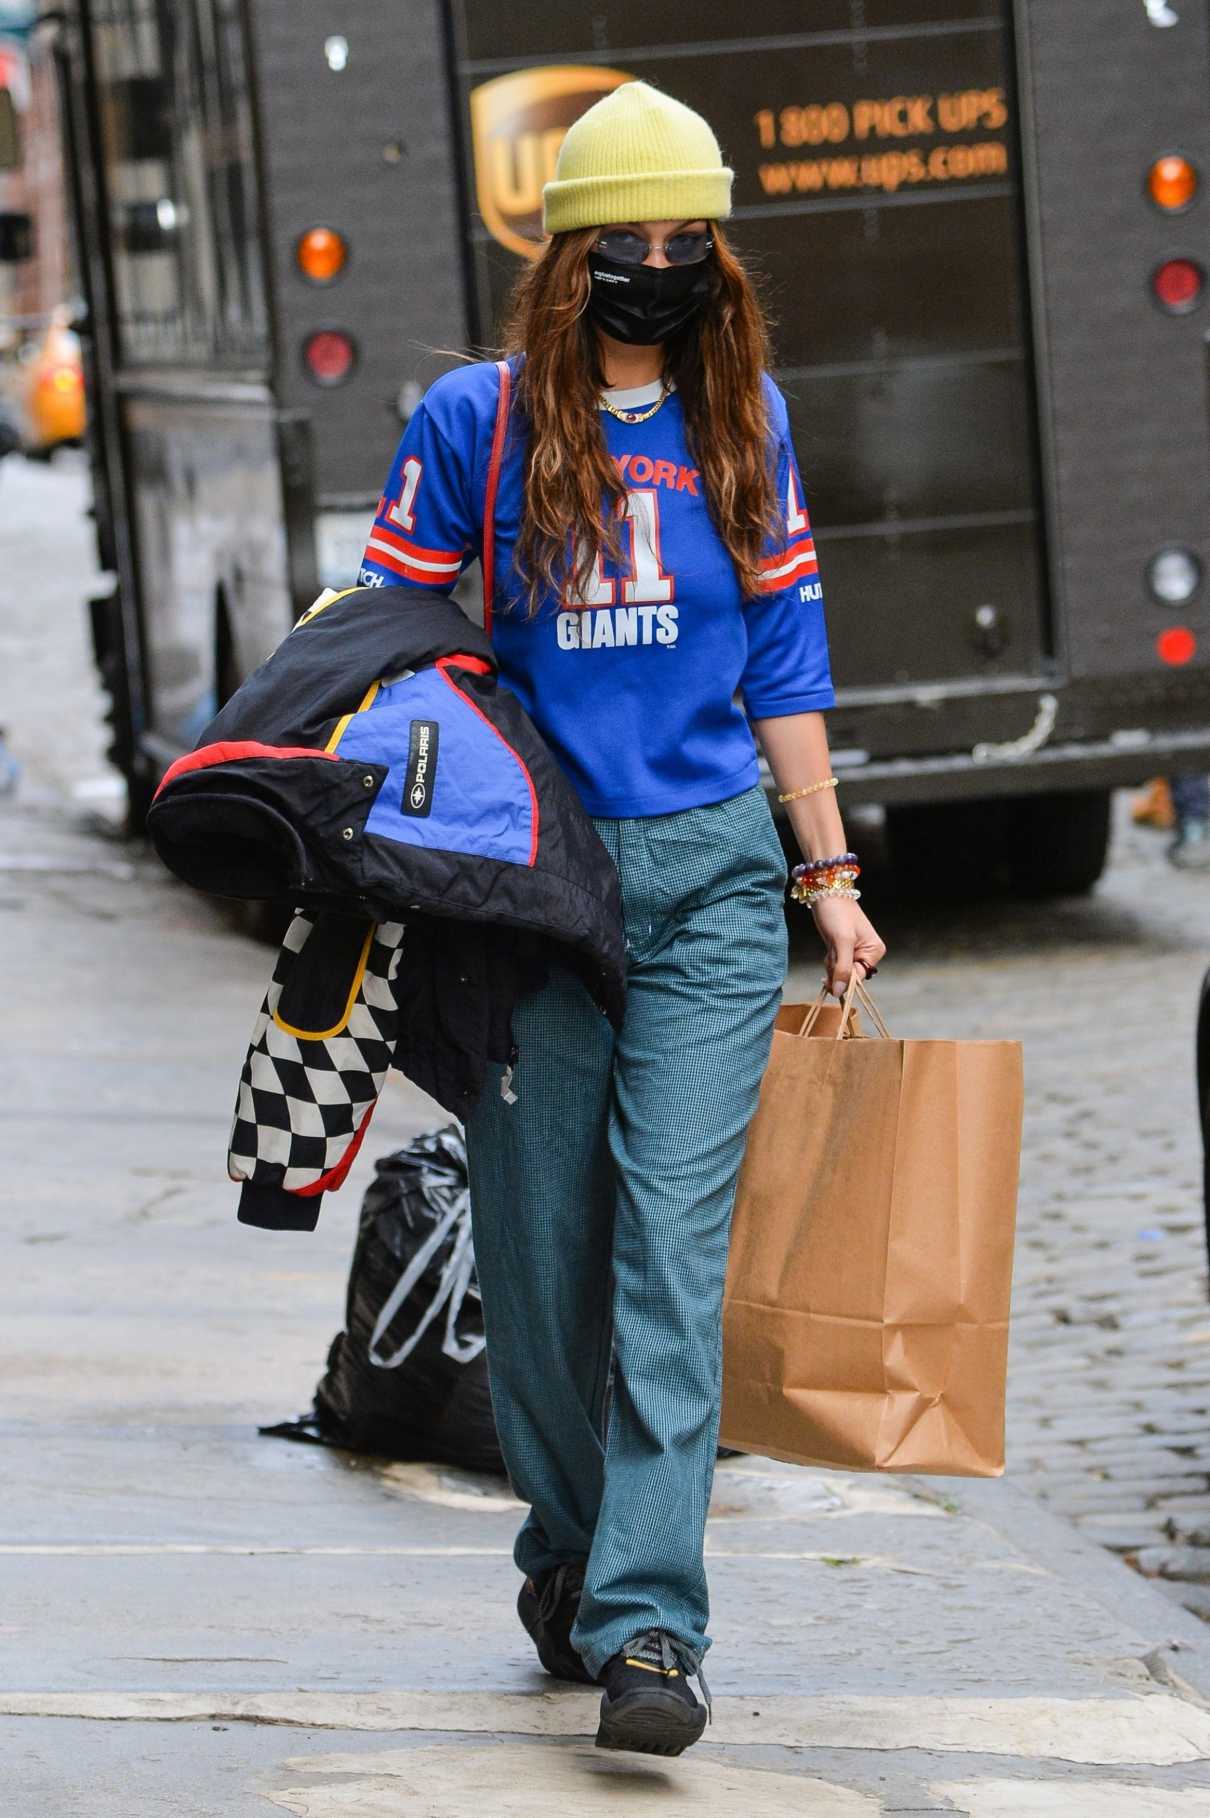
644 304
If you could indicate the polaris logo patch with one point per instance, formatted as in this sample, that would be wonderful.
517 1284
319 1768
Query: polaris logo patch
422 768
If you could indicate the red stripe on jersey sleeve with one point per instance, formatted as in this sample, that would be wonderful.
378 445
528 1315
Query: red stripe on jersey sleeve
790 565
796 547
428 574
415 551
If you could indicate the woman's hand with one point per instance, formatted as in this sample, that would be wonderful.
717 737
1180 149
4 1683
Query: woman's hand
850 938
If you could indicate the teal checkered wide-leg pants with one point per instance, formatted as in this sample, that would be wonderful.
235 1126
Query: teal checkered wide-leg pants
601 1203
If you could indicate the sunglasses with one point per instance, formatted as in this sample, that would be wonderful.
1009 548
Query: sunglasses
632 249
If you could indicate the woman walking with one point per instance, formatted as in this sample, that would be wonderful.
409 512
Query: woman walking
653 557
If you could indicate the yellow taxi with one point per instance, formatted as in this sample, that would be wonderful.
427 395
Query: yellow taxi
51 390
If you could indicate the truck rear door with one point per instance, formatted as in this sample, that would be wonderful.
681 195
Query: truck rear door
875 145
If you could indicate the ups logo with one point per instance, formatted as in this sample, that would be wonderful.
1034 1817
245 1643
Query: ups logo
517 126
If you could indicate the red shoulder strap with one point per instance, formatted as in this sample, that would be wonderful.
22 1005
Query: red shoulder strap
493 486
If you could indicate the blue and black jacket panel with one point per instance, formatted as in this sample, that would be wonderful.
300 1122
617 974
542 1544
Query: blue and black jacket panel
372 765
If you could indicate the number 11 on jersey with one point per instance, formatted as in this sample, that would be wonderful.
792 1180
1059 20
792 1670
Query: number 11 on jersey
647 583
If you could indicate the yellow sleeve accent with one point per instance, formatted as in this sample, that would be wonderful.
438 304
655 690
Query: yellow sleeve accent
343 722
321 1035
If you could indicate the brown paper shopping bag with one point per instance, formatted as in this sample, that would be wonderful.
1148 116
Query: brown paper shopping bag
866 1312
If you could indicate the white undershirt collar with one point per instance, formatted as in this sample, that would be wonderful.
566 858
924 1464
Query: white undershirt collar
634 397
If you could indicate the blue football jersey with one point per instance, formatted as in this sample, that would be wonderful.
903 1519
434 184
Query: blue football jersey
632 686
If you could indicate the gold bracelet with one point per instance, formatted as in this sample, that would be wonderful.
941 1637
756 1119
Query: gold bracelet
792 795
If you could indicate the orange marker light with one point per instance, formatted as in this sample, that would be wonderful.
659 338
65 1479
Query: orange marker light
1176 645
321 253
1172 182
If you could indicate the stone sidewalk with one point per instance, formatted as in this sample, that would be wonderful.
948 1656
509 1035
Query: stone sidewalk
238 1626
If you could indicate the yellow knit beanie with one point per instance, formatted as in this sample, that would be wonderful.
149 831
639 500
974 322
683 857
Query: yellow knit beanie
636 155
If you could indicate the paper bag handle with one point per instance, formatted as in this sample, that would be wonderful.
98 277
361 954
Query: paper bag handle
855 988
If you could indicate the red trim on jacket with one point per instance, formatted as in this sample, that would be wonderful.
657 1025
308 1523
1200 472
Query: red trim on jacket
228 751
335 1177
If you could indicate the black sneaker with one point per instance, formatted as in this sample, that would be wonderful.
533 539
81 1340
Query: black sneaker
1190 850
648 1706
548 1606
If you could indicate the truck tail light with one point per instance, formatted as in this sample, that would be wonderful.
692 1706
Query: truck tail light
329 356
321 254
1177 285
1176 645
1172 183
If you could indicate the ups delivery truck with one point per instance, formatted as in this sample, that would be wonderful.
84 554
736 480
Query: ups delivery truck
985 234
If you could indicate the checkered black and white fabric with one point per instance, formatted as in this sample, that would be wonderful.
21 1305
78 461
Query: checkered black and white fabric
303 1101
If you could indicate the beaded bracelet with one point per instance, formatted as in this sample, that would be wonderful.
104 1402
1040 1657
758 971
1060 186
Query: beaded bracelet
840 888
820 864
825 877
792 795
831 874
812 896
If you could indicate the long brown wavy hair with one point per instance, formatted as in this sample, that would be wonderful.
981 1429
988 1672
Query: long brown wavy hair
716 361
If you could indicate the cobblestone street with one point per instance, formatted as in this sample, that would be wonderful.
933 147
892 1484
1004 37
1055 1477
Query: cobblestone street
1110 1382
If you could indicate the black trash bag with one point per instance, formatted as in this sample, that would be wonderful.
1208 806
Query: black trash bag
407 1378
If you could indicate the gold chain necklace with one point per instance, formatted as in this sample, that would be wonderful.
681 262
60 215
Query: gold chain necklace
637 416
